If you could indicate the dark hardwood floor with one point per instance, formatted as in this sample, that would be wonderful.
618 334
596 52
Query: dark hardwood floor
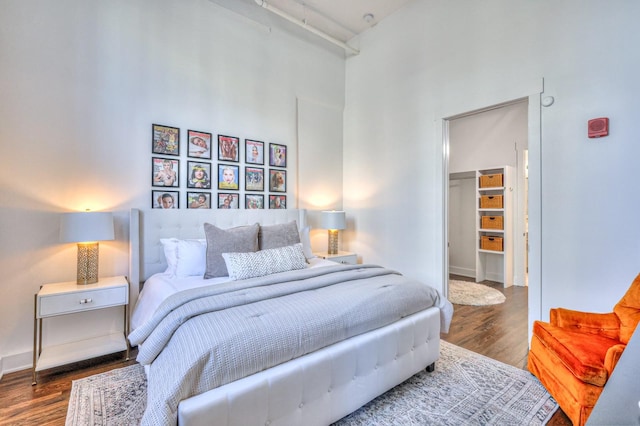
496 331
46 402
499 331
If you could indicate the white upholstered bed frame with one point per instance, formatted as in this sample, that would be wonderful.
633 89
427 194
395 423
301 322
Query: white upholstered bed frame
315 389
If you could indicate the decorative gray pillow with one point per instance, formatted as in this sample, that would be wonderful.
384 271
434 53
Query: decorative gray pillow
282 235
241 239
264 262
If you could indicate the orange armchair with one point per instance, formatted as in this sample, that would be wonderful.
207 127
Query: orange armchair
575 353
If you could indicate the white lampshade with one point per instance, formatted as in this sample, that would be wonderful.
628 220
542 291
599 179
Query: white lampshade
334 220
86 226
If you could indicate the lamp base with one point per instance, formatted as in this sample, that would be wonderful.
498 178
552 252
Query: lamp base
332 247
87 263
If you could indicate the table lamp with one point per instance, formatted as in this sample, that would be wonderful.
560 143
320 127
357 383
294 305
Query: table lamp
86 229
333 221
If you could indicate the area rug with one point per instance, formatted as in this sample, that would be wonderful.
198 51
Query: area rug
470 293
465 389
117 397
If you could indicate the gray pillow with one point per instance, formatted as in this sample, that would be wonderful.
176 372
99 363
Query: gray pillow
242 239
276 236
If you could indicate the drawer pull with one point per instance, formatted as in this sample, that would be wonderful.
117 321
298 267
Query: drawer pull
83 301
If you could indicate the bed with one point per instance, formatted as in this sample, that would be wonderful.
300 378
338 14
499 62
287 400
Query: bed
315 387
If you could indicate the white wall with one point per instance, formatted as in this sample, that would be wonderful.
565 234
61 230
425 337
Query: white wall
81 82
320 127
488 139
462 227
436 59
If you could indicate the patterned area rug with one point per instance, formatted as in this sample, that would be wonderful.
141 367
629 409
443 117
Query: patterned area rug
117 397
470 293
465 389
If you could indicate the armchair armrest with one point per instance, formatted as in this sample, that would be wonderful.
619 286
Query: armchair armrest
607 325
613 355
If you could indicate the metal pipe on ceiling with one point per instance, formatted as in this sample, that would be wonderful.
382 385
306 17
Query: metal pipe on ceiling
307 27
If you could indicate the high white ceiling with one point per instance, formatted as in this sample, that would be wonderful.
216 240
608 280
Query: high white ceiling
340 19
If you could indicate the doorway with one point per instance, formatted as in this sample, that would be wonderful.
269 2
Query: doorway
534 200
483 142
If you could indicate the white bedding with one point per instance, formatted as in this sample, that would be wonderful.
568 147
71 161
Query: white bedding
160 286
360 368
204 338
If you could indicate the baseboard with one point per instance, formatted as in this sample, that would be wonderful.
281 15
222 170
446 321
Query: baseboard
465 272
17 362
497 277
471 273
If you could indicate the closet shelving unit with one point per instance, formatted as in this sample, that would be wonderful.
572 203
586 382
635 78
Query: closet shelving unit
494 222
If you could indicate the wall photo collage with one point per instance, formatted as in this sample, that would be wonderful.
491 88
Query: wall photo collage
200 176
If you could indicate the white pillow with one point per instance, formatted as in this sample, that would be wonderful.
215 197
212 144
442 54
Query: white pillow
170 246
264 262
184 257
305 239
192 258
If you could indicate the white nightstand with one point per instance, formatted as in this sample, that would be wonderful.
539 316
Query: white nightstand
344 257
69 298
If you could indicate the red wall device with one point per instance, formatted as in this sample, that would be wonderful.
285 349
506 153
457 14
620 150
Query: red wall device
598 127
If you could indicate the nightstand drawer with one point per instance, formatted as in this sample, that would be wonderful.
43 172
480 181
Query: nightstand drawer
344 257
350 259
82 301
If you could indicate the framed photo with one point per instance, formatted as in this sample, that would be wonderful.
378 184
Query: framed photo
198 200
165 140
165 199
164 172
199 175
277 155
253 201
277 201
228 200
228 176
254 179
199 144
228 148
253 152
277 180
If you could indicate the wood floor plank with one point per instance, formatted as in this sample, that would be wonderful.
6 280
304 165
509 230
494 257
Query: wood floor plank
46 403
498 331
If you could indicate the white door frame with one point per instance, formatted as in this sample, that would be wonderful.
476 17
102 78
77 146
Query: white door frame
535 202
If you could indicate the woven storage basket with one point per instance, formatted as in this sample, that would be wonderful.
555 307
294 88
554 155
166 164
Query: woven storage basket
492 222
491 181
491 202
491 243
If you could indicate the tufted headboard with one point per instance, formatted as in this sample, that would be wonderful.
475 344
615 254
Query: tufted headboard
146 227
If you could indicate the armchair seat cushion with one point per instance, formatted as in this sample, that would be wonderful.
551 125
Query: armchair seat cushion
582 354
